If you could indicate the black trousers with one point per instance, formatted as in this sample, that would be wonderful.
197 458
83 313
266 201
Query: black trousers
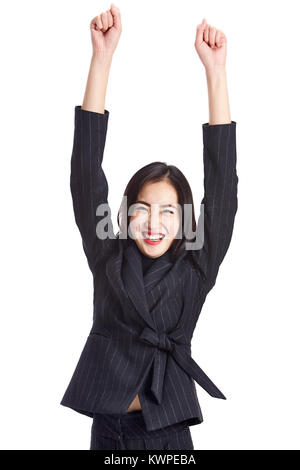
128 431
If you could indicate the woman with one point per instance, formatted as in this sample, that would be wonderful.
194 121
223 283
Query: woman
135 376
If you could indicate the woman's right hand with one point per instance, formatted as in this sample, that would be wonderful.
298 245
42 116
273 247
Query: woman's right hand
106 30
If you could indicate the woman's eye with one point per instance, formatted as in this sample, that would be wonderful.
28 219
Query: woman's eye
142 208
169 210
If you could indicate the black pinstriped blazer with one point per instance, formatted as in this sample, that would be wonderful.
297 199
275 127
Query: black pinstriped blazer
140 340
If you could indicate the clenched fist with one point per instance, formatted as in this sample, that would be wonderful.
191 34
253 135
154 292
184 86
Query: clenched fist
210 44
106 30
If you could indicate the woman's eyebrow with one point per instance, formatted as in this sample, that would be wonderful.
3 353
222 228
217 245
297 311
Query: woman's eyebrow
161 205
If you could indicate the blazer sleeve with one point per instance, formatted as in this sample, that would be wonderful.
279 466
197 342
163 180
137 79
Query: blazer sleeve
88 183
219 204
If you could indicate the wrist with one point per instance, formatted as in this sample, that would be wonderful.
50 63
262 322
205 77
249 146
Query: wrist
215 71
102 58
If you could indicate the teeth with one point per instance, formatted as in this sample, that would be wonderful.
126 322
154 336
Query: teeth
153 237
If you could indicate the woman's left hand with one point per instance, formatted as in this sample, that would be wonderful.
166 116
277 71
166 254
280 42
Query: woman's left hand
211 46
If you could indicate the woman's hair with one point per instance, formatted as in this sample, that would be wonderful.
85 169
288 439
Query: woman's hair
154 172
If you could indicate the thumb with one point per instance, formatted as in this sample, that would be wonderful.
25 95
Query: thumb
116 15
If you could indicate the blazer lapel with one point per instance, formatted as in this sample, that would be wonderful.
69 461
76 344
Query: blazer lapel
156 273
124 271
134 281
162 269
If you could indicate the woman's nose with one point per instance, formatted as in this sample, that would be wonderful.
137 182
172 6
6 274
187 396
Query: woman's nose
154 222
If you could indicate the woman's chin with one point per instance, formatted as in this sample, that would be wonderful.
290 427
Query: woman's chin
153 249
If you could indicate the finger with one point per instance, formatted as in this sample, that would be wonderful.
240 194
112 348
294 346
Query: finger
206 33
99 22
212 35
104 21
200 30
110 19
223 39
218 38
116 15
94 24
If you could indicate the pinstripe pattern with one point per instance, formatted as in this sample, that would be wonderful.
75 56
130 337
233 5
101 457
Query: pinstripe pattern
140 340
117 431
219 204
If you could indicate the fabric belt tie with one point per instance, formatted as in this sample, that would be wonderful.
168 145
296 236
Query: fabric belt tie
173 343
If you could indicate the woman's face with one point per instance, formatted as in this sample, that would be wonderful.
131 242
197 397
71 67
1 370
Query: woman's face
155 214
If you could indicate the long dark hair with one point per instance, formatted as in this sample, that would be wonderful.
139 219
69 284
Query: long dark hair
154 172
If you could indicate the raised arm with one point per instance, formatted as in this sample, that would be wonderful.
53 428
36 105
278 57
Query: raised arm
219 204
88 183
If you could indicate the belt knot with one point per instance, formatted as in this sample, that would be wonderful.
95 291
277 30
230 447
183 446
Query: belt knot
173 342
164 342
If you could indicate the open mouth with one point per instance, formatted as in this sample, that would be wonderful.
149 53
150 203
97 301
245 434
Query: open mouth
153 237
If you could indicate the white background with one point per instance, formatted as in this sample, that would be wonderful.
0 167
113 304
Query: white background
247 336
